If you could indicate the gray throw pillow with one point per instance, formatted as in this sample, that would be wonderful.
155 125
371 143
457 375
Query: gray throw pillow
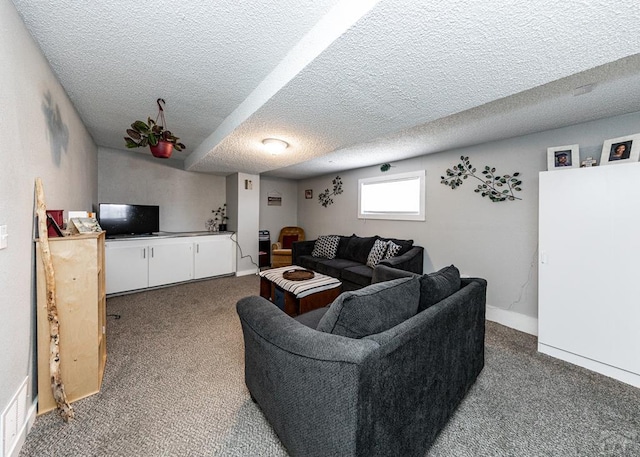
326 246
372 309
435 287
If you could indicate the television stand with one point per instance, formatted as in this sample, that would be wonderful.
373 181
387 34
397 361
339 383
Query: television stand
142 262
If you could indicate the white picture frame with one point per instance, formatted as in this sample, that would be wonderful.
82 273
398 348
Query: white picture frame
624 149
561 157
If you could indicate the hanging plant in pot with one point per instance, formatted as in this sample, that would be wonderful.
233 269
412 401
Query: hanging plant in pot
154 134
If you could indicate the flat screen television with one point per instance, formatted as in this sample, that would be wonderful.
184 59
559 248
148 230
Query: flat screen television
124 219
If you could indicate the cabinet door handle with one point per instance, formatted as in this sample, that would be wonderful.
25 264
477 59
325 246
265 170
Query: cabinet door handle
197 248
151 252
144 253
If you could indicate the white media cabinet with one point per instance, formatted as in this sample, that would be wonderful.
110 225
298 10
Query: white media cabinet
588 300
143 262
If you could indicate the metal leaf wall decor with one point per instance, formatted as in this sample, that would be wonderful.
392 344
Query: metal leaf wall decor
325 197
498 188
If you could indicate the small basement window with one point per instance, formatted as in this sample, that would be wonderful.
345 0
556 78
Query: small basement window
395 197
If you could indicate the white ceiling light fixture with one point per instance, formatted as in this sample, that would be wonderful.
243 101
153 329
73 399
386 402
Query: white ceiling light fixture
274 146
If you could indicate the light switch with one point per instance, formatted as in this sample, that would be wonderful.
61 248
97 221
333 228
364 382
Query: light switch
3 237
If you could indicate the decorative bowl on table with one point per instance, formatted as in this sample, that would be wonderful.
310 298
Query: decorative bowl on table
298 275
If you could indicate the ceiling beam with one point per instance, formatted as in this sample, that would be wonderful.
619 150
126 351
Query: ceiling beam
343 16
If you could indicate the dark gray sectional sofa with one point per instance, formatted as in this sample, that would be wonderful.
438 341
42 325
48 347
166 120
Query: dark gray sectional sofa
331 387
350 262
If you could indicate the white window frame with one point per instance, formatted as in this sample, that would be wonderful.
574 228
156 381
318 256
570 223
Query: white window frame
391 214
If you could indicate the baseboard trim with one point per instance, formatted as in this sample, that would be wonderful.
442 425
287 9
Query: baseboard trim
247 272
25 429
616 373
526 324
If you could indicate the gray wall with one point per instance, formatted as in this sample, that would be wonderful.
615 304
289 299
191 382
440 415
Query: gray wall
43 137
497 241
273 218
186 199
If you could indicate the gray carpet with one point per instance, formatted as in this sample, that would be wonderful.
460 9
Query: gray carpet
174 386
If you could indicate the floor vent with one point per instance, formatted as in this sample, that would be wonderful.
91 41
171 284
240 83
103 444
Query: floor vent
13 419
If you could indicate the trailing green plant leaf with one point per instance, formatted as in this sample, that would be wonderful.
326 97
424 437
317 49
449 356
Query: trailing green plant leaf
130 143
133 134
140 126
489 181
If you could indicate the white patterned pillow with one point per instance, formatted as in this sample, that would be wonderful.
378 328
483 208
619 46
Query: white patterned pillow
392 249
326 246
376 254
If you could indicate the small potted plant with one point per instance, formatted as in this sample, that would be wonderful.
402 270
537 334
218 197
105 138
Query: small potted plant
220 215
153 134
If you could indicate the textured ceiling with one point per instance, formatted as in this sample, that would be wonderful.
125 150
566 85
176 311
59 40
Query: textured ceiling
347 84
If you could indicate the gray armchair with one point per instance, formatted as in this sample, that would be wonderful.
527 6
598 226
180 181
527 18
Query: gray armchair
386 394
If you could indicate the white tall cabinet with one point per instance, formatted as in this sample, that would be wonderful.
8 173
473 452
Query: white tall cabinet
589 268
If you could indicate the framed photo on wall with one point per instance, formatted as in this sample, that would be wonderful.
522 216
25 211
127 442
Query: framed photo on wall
624 149
560 157
308 194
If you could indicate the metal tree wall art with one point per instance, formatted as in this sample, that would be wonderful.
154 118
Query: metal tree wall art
325 197
498 188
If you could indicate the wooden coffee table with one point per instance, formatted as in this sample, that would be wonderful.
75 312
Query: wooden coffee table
297 297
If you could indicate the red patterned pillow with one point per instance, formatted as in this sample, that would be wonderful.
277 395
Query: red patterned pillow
288 240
